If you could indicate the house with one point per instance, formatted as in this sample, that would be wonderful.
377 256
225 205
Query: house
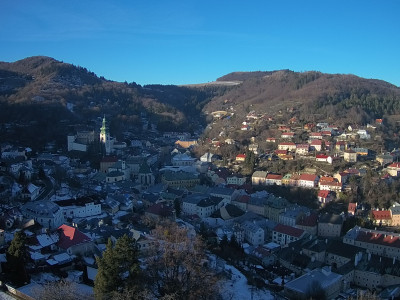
351 209
325 196
253 233
240 157
363 134
107 162
180 160
258 178
330 225
395 212
208 157
227 194
82 207
361 151
350 156
384 159
302 149
292 214
46 213
287 135
283 234
286 179
73 241
271 140
273 179
341 145
30 192
281 152
317 145
160 211
179 179
382 217
330 282
308 180
253 148
189 203
376 242
323 158
309 223
315 136
394 169
331 186
236 179
287 146
341 177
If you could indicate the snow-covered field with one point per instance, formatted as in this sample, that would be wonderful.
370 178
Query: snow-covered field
238 289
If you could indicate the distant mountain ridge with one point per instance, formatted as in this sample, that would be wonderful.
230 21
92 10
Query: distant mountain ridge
34 88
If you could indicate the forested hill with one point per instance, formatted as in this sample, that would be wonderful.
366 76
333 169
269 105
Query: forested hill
42 94
344 98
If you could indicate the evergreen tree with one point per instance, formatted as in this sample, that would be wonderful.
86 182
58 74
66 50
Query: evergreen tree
118 269
16 257
177 207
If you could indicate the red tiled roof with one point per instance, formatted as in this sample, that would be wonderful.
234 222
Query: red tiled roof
289 230
381 214
308 177
323 193
70 236
316 142
394 165
309 221
302 146
280 151
274 176
321 156
244 199
315 134
161 210
241 156
379 238
352 207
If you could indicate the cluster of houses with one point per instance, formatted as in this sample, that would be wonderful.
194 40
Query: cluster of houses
69 226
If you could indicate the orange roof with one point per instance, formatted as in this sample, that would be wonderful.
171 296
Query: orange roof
381 214
70 236
324 179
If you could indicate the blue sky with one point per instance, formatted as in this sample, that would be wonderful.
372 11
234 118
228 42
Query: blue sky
181 42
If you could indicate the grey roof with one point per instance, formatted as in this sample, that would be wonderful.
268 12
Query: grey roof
211 201
325 279
195 198
221 191
44 209
331 219
341 249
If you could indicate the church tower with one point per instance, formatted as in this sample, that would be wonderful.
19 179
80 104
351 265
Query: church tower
105 136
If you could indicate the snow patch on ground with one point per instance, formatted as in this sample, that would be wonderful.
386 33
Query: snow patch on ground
237 288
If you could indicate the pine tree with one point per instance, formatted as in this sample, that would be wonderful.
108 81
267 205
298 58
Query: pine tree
16 257
118 269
